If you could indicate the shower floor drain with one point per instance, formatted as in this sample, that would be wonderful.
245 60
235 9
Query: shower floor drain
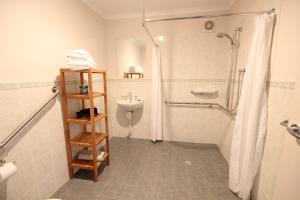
188 162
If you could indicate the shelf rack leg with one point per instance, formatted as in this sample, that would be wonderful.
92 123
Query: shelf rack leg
67 125
93 131
106 118
83 101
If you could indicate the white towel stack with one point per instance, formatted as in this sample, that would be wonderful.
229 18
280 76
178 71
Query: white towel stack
79 59
139 69
86 154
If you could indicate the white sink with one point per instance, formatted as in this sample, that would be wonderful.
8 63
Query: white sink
130 105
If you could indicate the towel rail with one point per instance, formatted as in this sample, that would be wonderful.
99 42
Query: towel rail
16 132
209 105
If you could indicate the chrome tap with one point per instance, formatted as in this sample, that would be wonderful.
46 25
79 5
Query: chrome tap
130 96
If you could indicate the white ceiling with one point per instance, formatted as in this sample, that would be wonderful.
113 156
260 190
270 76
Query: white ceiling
132 8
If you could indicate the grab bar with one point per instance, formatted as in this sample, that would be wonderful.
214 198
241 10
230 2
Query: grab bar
210 105
28 120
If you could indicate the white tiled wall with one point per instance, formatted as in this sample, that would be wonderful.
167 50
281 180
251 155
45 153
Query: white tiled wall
40 153
36 36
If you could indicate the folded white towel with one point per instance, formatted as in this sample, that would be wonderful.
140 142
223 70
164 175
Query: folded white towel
79 61
80 64
79 52
79 58
139 69
88 155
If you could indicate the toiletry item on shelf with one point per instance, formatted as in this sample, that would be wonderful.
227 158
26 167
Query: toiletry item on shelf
131 69
86 113
86 90
80 89
87 154
136 69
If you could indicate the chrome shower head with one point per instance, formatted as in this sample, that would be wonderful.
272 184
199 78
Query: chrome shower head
222 35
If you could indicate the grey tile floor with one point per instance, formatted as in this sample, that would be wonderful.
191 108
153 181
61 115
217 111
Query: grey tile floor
141 170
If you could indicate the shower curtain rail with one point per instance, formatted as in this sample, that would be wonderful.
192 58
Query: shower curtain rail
18 130
209 105
207 16
145 21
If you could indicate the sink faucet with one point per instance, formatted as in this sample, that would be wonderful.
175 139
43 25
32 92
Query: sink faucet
130 96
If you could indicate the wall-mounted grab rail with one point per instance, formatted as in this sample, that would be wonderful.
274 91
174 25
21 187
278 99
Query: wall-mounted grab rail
293 129
16 132
209 105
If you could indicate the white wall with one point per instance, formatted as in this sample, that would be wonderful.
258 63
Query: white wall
34 37
130 52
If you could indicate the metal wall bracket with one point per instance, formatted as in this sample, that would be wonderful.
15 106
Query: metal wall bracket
2 162
293 129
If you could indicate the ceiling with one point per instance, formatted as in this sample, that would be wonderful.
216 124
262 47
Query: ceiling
132 8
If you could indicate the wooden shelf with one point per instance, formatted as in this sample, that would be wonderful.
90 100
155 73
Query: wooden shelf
85 120
92 70
83 96
86 139
87 164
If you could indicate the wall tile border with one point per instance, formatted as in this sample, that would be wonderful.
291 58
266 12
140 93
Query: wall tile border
21 85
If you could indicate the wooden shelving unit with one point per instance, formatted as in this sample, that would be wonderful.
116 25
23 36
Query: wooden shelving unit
87 139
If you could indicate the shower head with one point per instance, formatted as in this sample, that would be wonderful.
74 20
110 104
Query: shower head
222 35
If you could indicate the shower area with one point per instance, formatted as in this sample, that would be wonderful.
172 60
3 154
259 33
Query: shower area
209 84
202 77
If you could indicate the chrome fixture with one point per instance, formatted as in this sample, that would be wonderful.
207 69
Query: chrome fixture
18 130
209 25
2 162
130 96
222 35
204 16
230 97
209 105
293 129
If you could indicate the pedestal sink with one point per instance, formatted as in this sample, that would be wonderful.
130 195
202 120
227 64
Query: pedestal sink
128 104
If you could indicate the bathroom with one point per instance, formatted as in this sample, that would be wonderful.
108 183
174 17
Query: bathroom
186 138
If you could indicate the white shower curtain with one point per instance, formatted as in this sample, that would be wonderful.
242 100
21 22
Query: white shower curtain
157 119
251 120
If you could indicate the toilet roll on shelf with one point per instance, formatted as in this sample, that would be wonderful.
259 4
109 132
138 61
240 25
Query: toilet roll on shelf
7 170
